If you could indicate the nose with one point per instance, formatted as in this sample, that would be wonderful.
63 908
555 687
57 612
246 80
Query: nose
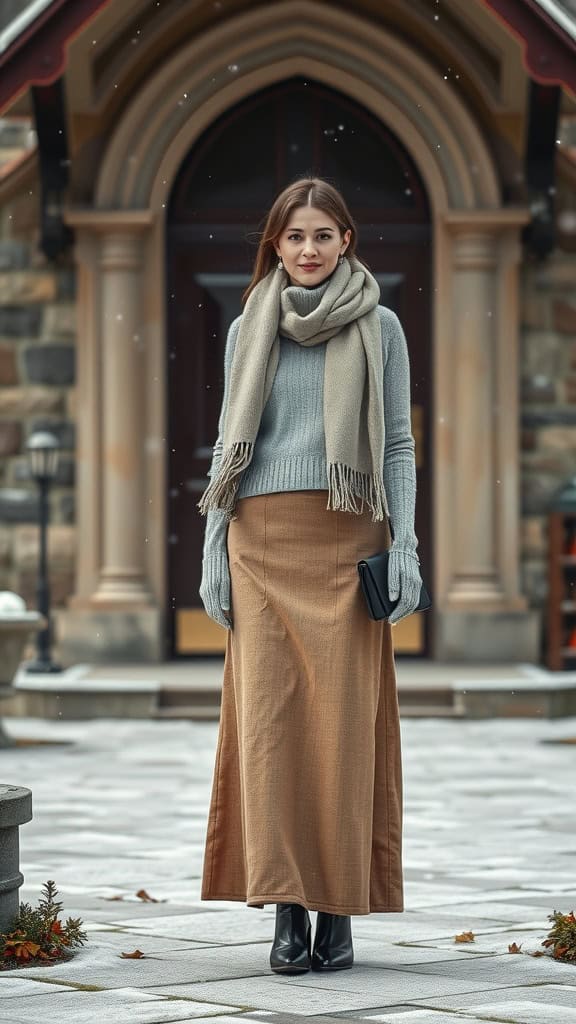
310 249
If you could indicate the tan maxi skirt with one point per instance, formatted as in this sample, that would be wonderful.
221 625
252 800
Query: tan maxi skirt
306 803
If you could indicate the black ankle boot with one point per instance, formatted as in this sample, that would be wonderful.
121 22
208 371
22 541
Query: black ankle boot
290 952
333 949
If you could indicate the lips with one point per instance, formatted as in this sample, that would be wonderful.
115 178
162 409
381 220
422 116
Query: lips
309 266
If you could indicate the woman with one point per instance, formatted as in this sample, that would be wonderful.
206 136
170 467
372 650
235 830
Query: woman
314 453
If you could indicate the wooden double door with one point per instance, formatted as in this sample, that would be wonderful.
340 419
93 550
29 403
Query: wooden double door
217 207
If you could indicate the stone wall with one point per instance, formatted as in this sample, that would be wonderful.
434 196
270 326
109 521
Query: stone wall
37 374
548 403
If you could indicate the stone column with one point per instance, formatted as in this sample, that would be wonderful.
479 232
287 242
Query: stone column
475 574
122 574
481 612
114 613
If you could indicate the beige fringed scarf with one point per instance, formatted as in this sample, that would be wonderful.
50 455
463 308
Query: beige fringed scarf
347 317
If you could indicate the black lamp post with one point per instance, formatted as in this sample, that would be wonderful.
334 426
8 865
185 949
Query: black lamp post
43 450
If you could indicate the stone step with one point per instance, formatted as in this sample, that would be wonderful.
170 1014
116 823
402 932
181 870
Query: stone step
429 711
84 692
205 712
438 696
174 697
414 701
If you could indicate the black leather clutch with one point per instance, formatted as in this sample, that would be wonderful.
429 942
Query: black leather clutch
373 574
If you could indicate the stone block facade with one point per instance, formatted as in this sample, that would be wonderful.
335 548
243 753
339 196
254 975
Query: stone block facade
37 378
548 405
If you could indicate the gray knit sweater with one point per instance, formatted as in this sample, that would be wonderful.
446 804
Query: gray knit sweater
289 451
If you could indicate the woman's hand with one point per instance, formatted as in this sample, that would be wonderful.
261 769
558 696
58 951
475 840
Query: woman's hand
404 581
215 588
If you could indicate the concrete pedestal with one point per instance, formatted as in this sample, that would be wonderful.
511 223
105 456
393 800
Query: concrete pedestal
15 809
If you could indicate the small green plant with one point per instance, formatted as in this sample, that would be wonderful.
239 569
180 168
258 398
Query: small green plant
38 935
562 937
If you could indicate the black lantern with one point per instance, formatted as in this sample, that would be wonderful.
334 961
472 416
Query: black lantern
43 449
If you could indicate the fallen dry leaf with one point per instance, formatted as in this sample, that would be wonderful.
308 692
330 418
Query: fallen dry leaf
143 895
513 948
465 937
136 955
21 949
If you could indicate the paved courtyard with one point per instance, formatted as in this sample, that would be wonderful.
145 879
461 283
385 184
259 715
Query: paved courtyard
121 806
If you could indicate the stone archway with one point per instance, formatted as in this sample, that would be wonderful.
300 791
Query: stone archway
476 255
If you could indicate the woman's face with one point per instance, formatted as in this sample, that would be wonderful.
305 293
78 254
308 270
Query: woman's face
311 237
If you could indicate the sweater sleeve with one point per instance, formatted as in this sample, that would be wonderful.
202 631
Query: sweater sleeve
216 521
399 471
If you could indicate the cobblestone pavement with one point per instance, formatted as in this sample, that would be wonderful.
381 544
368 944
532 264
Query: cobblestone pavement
120 806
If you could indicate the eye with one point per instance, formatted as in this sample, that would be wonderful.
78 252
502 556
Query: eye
296 234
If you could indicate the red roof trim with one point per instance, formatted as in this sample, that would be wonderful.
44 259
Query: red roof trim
549 53
38 55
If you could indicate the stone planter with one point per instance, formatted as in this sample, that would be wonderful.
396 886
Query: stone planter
16 624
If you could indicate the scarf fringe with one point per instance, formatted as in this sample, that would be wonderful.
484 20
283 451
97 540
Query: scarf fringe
345 483
221 491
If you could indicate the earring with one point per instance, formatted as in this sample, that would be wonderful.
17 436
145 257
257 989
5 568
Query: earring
341 260
280 264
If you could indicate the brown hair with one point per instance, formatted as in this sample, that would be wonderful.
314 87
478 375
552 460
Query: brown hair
304 192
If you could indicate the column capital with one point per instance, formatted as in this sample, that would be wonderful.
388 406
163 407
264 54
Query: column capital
120 250
490 222
110 221
475 250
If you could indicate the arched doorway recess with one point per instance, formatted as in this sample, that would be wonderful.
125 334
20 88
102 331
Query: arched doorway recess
215 208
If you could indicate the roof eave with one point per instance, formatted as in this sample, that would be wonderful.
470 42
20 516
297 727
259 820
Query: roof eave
36 55
548 49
